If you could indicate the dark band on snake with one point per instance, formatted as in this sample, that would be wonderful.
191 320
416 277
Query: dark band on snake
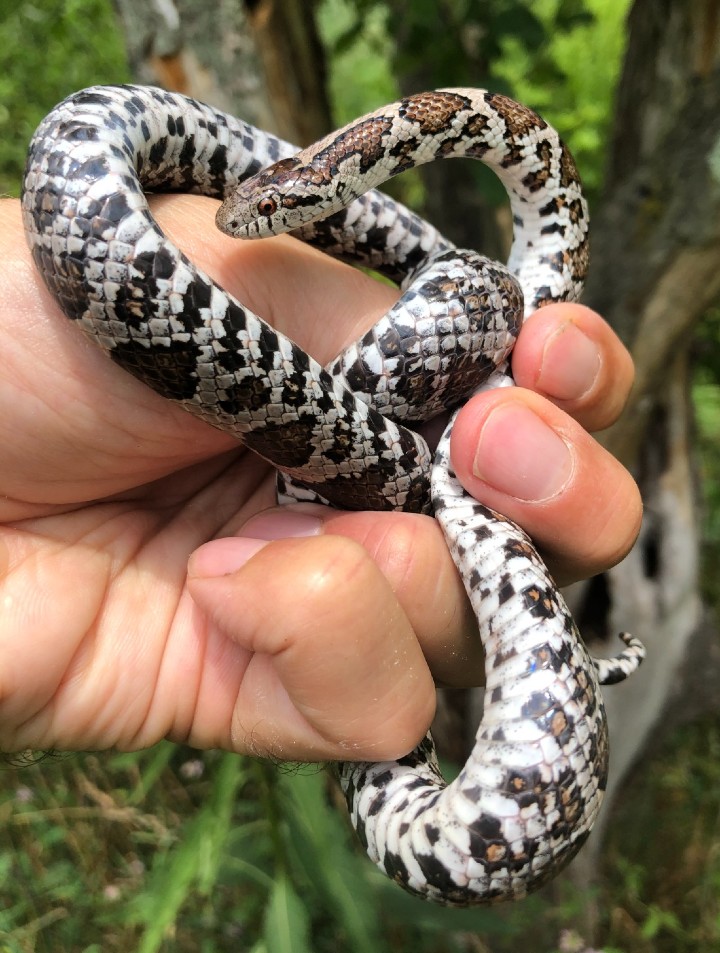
528 795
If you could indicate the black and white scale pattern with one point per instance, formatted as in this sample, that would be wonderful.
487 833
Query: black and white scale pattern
527 797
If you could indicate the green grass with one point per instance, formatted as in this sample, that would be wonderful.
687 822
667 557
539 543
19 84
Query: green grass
661 891
173 850
101 852
169 849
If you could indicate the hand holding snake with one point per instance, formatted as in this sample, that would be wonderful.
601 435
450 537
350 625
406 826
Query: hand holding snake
251 561
138 458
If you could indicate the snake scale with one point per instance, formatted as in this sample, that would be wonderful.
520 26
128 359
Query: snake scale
527 797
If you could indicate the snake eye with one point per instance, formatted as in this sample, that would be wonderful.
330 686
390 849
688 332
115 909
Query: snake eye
267 206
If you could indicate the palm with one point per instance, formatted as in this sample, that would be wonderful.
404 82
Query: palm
320 647
107 489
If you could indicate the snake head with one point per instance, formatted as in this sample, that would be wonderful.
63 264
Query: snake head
279 199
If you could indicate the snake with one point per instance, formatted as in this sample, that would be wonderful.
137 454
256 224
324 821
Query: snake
528 795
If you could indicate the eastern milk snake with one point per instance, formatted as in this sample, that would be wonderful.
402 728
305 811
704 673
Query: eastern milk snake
528 795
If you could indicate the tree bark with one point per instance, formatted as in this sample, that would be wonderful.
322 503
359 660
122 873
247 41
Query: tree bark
294 66
260 59
656 239
655 270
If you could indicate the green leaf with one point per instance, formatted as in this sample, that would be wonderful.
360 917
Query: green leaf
48 50
287 924
151 764
193 862
321 853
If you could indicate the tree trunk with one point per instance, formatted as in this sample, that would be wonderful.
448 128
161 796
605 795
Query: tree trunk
464 201
655 271
260 60
294 66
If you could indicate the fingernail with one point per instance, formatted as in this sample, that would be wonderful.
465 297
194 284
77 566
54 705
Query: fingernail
520 455
220 557
282 523
570 364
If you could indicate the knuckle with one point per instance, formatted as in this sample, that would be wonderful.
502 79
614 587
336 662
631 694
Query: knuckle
339 569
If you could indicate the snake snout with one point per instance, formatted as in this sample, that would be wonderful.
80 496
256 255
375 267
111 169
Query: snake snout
228 221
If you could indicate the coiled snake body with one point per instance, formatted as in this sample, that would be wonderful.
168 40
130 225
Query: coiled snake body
527 797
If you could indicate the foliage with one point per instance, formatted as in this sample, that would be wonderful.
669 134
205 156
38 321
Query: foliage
666 899
562 57
168 849
459 39
571 79
360 46
48 49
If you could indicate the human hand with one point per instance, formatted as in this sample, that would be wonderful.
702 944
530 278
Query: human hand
320 644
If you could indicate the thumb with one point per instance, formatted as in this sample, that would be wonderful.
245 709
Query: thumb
334 670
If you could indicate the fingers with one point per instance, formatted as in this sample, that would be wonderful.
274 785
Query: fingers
412 554
567 354
570 355
526 451
335 669
519 454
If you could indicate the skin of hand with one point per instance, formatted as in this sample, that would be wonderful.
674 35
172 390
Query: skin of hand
151 589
